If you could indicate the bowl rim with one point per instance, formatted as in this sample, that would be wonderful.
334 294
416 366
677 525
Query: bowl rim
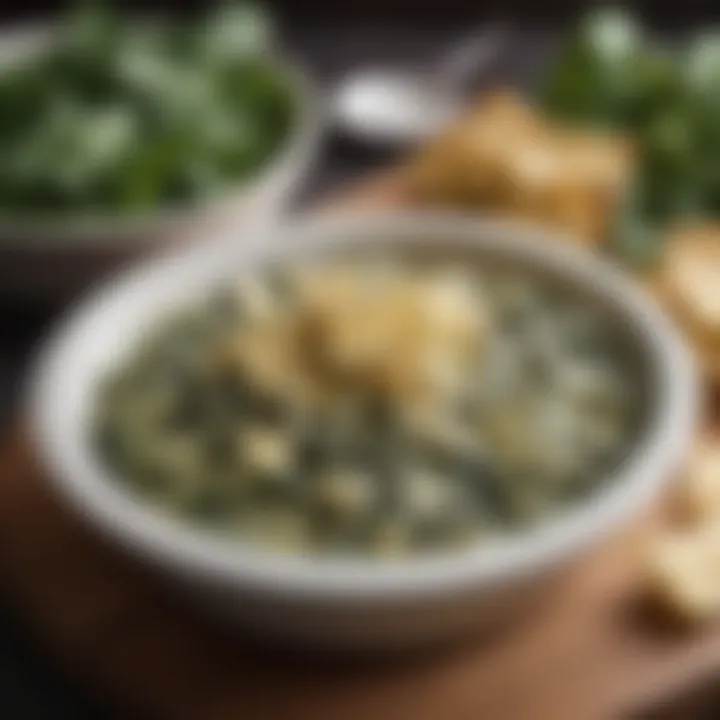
43 231
187 550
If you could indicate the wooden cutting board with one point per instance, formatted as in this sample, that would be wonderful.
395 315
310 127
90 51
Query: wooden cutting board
590 651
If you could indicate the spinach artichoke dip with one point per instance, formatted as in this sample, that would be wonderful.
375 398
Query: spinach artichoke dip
381 406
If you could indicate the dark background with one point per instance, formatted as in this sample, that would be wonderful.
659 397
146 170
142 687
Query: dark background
330 38
411 10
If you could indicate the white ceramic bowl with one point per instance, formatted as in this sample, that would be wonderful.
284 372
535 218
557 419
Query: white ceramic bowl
45 258
353 601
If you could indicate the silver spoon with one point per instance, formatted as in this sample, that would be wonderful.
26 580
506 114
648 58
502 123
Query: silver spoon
397 106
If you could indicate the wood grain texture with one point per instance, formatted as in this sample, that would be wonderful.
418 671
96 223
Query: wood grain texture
590 651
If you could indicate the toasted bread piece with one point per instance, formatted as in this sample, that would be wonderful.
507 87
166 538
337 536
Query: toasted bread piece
684 572
701 489
504 157
690 284
462 166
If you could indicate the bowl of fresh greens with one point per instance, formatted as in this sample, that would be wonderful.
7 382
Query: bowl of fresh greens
614 73
119 133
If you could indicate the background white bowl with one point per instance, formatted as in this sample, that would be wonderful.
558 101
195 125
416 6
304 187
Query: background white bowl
352 601
49 258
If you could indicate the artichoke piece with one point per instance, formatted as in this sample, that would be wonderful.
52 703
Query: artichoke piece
266 452
428 496
344 495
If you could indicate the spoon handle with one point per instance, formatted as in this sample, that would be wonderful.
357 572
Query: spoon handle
470 55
